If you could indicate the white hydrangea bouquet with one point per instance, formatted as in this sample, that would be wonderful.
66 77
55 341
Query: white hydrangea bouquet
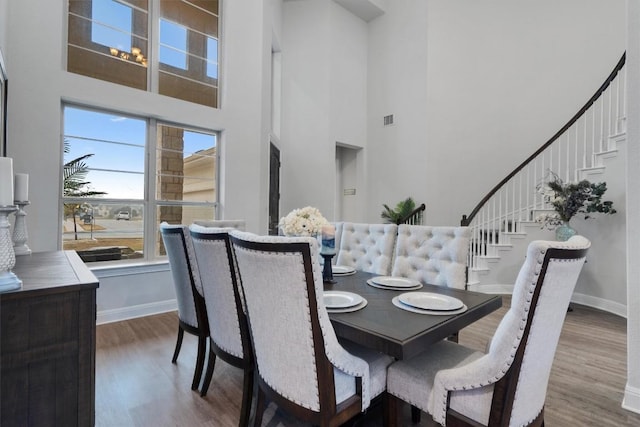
307 221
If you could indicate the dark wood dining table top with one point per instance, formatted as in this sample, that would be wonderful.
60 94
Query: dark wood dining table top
400 333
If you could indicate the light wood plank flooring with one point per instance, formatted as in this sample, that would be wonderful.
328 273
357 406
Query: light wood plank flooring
137 385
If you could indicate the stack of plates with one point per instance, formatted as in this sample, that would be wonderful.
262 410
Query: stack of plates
429 303
342 270
394 283
342 302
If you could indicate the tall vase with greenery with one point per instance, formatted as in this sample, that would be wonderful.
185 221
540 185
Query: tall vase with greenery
569 199
75 184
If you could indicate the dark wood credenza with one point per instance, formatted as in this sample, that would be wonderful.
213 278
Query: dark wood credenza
47 343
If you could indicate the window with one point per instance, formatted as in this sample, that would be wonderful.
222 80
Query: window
212 57
111 40
112 25
106 214
108 40
197 81
173 44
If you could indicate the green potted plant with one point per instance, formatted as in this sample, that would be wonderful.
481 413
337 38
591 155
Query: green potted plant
569 199
401 211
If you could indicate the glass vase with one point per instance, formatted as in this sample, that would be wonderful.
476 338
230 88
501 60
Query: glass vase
564 232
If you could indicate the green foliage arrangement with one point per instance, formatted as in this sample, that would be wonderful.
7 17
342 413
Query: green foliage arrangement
570 199
401 211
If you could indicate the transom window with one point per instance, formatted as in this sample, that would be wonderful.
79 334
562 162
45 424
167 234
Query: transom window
173 44
113 40
107 216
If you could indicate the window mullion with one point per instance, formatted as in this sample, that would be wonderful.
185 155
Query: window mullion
154 45
151 208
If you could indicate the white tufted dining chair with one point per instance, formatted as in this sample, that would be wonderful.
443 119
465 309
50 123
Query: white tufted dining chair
228 329
367 247
300 365
433 255
238 224
192 314
507 385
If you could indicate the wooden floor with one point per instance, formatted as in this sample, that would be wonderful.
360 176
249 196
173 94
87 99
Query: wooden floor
137 385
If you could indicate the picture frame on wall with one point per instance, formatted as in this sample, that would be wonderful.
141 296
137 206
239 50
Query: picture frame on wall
3 107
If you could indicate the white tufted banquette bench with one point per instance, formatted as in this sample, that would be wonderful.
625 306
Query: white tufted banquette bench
434 255
367 247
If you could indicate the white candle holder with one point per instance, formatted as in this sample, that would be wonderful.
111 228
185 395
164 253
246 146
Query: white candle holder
20 234
8 280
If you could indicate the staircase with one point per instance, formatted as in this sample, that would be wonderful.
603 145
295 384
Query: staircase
590 146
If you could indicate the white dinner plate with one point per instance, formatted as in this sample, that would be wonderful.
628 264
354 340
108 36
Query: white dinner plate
395 282
342 270
399 304
430 301
340 299
392 288
360 306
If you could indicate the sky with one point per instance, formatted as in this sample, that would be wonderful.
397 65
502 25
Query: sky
118 145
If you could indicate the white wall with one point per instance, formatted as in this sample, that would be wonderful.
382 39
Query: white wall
397 65
4 6
35 55
632 389
324 75
479 83
474 86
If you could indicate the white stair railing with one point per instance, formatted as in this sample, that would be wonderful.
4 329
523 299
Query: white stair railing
572 150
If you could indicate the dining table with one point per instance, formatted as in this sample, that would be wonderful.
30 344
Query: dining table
402 334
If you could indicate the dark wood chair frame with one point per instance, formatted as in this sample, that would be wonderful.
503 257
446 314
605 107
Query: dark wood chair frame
329 414
504 389
245 363
202 331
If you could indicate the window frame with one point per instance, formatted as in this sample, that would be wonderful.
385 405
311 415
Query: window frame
154 70
150 200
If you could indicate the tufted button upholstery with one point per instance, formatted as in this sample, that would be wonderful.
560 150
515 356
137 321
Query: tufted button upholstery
296 341
510 379
367 247
434 255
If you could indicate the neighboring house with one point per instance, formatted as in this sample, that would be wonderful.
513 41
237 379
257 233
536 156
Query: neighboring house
195 189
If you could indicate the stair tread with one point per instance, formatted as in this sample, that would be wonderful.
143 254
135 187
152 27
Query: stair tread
606 152
593 169
515 233
488 257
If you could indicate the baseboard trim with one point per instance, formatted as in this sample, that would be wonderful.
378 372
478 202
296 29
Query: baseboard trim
582 299
631 401
601 304
132 312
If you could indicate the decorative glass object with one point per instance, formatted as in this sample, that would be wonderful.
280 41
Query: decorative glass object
20 234
8 280
564 232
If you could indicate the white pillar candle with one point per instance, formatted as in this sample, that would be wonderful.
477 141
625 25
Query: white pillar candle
21 188
6 181
329 238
